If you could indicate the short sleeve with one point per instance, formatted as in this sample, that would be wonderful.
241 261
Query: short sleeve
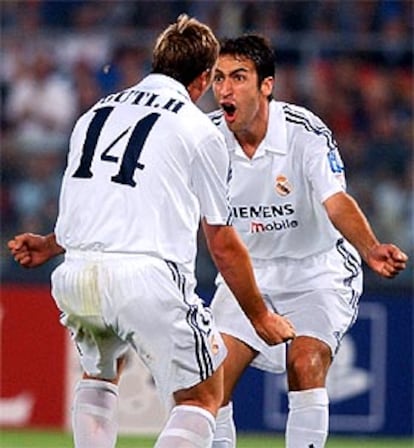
211 168
323 164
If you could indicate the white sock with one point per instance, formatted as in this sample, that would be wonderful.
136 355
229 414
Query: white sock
94 414
225 435
187 427
308 419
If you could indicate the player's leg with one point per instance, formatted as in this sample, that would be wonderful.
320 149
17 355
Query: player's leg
101 354
191 422
322 305
94 411
239 357
308 363
244 348
175 336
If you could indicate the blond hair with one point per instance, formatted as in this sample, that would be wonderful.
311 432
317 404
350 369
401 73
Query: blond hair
185 49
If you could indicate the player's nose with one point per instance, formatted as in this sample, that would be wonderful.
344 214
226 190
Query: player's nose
226 88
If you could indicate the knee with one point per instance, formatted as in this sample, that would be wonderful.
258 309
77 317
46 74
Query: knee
310 363
307 367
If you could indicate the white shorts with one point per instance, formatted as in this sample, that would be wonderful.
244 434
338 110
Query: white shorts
319 295
111 302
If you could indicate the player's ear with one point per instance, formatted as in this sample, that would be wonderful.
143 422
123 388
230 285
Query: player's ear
266 88
200 85
206 78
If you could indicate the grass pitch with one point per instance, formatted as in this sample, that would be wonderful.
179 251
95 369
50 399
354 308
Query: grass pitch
49 439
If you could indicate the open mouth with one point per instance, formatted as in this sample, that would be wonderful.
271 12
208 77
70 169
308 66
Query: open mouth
229 110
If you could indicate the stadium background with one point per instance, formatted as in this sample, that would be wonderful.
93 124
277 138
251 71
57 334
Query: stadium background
348 61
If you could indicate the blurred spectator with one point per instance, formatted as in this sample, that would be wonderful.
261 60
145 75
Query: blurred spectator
351 62
86 86
34 194
41 106
128 65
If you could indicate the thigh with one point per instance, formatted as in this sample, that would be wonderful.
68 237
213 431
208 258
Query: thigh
321 314
232 321
208 394
76 292
165 322
319 294
239 357
99 348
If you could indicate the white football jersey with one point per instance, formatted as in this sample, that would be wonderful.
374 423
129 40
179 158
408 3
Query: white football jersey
144 164
277 195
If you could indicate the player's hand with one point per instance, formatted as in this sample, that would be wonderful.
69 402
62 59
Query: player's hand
274 329
31 250
387 260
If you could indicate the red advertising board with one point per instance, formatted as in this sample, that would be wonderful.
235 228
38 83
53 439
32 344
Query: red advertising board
32 358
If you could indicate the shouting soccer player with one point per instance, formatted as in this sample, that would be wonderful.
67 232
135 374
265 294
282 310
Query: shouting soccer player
305 236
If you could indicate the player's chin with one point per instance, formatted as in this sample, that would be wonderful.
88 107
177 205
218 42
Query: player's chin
231 121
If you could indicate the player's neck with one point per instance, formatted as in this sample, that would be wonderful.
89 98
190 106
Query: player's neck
250 138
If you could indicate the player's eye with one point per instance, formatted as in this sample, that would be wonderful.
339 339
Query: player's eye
239 77
218 78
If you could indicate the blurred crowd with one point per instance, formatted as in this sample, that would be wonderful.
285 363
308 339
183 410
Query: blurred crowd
350 62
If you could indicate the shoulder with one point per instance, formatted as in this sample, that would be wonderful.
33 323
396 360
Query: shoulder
301 121
300 116
83 120
216 117
192 126
201 122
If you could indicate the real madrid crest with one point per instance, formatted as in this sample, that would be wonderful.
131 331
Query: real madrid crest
282 185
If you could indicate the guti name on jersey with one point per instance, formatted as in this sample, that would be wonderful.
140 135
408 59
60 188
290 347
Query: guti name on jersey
142 98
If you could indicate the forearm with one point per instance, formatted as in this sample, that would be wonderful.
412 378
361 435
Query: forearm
238 274
346 215
233 262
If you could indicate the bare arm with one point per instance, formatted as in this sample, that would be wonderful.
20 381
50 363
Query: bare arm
345 214
232 260
31 250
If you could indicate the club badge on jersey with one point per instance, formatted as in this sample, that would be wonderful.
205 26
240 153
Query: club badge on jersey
282 185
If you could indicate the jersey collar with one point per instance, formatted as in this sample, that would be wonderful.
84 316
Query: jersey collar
159 81
275 140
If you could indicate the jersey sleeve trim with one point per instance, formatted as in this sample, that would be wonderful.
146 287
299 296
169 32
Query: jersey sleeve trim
331 192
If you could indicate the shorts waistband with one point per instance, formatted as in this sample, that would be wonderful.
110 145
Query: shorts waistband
99 255
262 263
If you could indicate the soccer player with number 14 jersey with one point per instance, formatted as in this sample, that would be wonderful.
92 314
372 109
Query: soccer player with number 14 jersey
145 165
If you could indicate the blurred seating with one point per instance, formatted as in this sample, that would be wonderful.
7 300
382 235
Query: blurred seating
350 62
